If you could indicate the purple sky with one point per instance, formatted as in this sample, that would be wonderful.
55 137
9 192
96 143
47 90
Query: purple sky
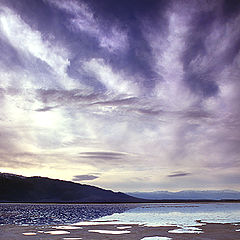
122 94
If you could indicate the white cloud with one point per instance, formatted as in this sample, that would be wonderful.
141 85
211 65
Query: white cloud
164 138
111 38
30 43
117 82
167 50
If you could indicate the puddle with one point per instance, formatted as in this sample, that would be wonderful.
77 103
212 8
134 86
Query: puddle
57 232
109 231
67 227
99 223
126 227
156 238
72 238
187 230
29 234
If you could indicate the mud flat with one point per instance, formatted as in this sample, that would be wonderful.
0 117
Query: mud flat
120 231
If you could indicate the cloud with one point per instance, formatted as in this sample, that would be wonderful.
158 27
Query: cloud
79 178
116 38
90 101
117 101
10 58
15 30
149 111
197 114
179 174
114 81
202 62
45 109
128 89
103 155
84 20
65 97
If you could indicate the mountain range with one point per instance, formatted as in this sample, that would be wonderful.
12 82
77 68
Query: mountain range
17 188
186 195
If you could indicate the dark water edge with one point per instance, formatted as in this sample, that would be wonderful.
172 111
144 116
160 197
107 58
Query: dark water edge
54 214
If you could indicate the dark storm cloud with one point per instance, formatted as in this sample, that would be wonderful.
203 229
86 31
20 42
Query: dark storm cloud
79 178
179 174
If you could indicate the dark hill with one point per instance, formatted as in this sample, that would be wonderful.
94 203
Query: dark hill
15 188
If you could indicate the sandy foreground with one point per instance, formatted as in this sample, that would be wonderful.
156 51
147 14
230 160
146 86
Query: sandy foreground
117 231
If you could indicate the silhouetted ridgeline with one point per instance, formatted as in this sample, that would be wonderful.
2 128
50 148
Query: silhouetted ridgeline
15 188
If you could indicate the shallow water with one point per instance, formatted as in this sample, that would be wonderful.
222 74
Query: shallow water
179 214
56 214
187 230
156 238
184 214
114 232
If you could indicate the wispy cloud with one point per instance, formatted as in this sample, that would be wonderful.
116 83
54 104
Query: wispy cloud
179 174
79 178
103 155
45 109
123 89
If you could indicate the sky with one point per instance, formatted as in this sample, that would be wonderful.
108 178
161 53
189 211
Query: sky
128 95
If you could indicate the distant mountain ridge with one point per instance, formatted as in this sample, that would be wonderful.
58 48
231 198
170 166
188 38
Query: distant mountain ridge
17 188
186 195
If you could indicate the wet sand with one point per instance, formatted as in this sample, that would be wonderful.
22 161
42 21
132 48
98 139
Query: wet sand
210 231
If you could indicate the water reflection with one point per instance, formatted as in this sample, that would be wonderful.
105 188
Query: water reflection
42 214
179 214
114 232
104 214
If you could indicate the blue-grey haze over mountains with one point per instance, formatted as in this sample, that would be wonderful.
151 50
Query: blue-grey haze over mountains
187 195
129 95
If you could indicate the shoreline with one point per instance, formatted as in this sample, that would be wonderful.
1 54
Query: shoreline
140 202
118 231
